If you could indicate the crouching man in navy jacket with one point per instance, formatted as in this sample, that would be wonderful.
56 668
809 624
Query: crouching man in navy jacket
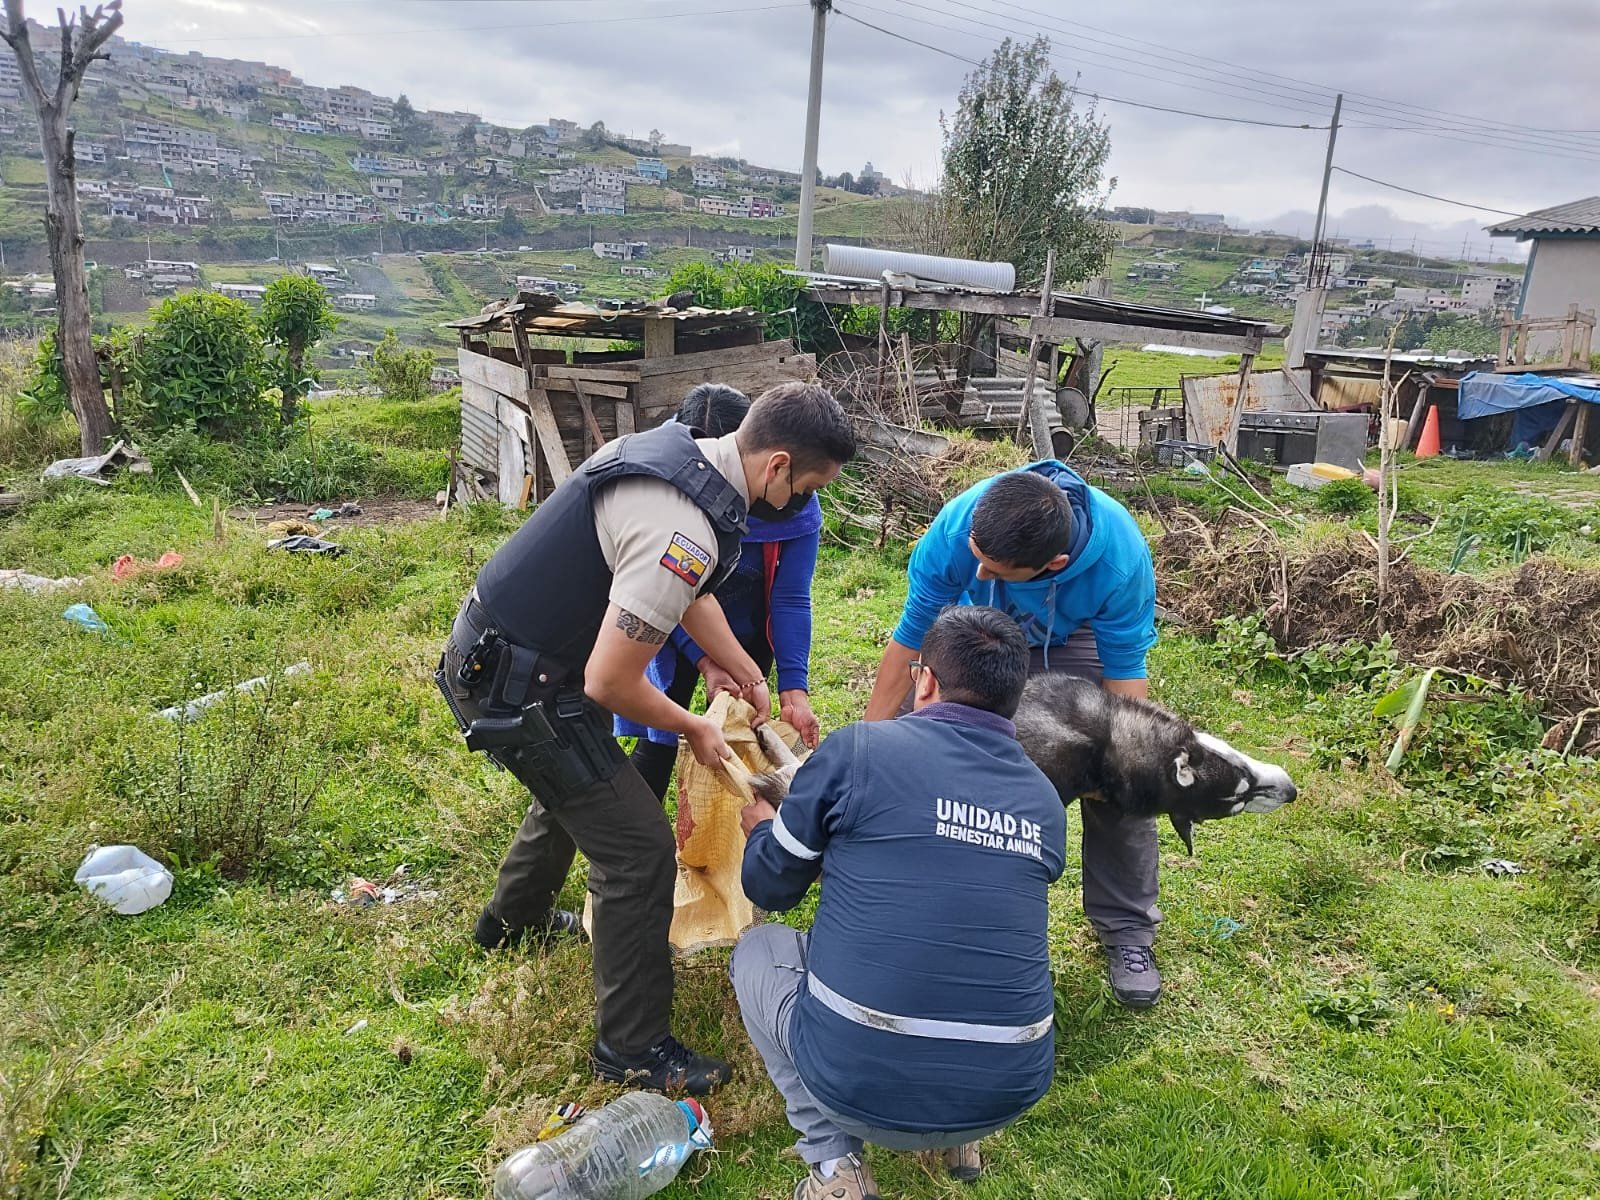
917 1013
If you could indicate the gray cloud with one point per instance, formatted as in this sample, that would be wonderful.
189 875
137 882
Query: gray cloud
735 83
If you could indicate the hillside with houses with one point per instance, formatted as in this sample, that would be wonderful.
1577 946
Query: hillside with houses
195 171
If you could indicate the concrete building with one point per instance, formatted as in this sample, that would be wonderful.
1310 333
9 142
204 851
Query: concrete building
357 301
1490 293
250 292
650 168
621 251
707 178
1563 264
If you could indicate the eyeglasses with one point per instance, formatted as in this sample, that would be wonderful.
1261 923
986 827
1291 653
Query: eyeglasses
917 668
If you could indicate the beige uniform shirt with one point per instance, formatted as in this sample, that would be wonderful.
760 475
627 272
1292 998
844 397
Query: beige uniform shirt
658 543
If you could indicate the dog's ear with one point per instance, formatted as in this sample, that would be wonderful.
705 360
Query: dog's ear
1182 771
1185 828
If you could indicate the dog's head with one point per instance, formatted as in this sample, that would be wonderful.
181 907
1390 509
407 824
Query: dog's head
1209 779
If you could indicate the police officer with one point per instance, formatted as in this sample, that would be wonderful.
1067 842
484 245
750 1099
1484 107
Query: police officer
554 639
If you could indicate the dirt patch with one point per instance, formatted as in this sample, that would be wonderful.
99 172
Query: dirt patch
1536 627
380 510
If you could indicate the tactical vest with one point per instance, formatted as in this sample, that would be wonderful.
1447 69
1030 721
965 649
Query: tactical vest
548 587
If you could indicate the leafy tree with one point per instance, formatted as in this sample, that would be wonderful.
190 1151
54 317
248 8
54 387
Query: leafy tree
201 364
1023 169
596 136
467 138
845 182
401 372
409 129
294 317
709 285
510 223
683 177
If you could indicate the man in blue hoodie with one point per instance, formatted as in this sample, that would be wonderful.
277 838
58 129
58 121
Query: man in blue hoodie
1072 567
926 1033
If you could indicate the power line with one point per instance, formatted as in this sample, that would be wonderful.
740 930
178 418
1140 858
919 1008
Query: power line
1077 91
1299 95
1322 92
1481 138
1427 195
366 33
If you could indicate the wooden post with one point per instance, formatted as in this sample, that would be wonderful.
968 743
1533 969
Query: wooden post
1568 334
660 337
913 412
543 432
1580 430
1036 415
1505 344
1230 439
1418 411
1553 442
591 426
883 338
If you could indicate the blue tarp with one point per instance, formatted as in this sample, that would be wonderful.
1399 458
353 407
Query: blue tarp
1483 393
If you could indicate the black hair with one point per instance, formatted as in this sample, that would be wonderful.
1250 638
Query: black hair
979 657
805 420
1022 520
715 409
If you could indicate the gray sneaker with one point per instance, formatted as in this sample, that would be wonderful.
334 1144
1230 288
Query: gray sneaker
851 1180
1135 981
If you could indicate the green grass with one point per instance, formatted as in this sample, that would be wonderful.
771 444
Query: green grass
17 170
1132 368
208 1047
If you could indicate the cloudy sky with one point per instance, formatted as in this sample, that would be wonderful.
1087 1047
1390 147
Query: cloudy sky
1471 100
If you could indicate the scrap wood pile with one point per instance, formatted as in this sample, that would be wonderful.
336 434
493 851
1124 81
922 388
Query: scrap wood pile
905 471
1536 627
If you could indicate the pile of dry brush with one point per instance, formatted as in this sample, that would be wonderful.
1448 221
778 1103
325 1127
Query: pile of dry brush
1536 627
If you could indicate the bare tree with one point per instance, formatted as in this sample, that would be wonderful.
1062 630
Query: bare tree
81 40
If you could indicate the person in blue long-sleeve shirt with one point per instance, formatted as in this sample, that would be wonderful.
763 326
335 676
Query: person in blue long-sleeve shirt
1071 565
767 601
917 1013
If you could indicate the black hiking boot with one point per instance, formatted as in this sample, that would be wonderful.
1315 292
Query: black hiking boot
668 1066
494 934
1135 981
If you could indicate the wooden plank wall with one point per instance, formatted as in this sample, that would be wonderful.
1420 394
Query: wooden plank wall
500 423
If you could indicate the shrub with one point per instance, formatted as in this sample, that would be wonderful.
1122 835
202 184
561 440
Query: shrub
401 372
201 364
328 468
230 786
34 422
1346 496
294 317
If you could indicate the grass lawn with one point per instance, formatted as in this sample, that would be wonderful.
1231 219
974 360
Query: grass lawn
1340 1019
1128 367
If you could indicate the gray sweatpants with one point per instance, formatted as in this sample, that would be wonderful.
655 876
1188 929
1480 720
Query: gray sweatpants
767 966
1120 856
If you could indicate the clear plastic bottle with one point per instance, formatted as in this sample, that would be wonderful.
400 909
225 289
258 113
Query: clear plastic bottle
629 1149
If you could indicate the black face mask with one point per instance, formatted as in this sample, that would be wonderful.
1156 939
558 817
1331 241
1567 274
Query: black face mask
767 511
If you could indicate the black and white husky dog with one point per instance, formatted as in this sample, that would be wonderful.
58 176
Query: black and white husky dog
1098 747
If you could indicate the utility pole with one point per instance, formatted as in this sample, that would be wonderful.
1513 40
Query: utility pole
1322 203
808 173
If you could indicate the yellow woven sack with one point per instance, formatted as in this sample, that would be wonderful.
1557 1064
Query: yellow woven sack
709 907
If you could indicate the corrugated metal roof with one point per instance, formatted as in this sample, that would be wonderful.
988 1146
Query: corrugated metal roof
1580 217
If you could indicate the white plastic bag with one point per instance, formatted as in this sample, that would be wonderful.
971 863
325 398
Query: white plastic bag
125 877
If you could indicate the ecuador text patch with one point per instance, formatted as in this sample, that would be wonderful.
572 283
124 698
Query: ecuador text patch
686 560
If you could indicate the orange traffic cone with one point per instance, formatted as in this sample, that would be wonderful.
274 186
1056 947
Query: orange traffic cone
1428 443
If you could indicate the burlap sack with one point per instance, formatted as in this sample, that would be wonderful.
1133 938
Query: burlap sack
709 904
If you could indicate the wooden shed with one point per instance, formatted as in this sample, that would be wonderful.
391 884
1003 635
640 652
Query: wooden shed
530 414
